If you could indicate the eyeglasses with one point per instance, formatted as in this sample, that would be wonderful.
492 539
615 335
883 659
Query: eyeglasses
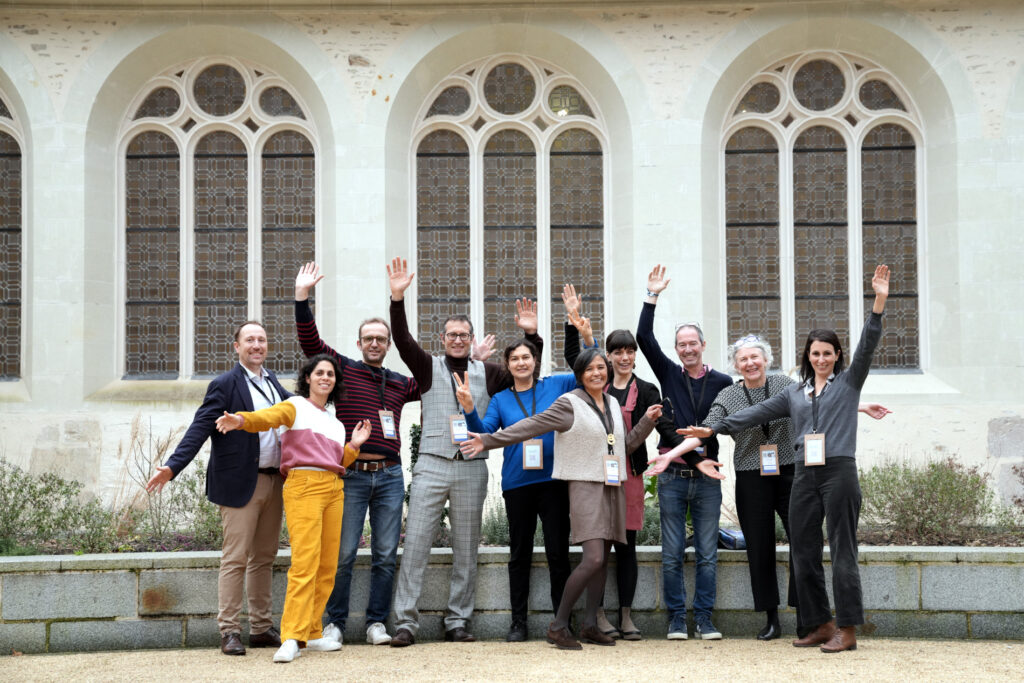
749 339
461 336
379 340
695 326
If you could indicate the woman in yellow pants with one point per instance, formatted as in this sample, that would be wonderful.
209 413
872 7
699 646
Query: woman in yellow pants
313 458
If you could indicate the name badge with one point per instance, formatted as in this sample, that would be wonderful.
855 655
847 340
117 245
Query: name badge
533 454
769 460
460 430
387 424
611 471
814 450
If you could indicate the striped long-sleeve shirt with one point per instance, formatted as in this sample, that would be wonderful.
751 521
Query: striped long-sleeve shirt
314 438
368 390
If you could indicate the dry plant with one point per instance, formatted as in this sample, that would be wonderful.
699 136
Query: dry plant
141 456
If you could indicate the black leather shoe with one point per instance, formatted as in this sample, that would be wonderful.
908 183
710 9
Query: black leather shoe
231 644
459 635
403 638
770 632
516 632
269 638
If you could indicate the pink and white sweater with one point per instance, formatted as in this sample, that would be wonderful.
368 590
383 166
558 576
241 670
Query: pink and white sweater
315 437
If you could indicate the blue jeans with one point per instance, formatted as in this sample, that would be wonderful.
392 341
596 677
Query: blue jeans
703 497
383 492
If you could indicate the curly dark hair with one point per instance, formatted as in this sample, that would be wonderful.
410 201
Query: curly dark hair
302 382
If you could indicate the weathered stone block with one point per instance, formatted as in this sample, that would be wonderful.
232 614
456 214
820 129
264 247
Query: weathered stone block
201 633
107 562
993 588
492 589
69 595
1005 435
28 638
189 559
83 636
734 586
914 624
890 586
29 563
177 591
1004 626
437 581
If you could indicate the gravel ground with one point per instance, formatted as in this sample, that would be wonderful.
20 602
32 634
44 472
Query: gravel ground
653 660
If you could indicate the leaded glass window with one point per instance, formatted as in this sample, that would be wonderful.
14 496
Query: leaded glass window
534 138
852 176
10 250
189 251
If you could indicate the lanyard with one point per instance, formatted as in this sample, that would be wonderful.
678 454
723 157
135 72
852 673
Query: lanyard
257 387
606 422
533 406
750 400
814 408
689 388
383 384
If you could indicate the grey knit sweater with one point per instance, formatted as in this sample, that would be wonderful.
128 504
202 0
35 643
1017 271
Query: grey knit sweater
837 404
580 438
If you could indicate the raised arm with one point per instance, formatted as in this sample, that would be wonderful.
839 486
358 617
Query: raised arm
411 353
305 325
656 358
860 364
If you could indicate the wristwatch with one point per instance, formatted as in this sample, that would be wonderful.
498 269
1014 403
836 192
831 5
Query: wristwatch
652 294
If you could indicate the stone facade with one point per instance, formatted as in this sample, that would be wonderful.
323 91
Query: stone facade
662 75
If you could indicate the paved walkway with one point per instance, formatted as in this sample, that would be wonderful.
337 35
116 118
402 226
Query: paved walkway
652 660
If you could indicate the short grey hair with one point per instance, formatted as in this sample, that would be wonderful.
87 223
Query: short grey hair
751 341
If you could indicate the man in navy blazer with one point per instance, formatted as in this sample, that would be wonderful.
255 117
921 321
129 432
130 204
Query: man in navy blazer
244 479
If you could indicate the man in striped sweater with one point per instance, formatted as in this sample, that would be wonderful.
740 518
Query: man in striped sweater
374 481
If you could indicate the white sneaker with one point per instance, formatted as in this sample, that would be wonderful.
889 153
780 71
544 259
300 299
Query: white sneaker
288 651
332 632
323 645
377 634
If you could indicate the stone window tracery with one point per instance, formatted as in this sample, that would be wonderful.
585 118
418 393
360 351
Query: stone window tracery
821 184
219 178
509 199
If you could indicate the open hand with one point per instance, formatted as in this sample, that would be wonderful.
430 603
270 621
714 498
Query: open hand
399 278
229 422
483 349
570 299
656 280
880 281
360 434
710 468
157 481
583 326
696 432
473 446
309 275
875 410
526 315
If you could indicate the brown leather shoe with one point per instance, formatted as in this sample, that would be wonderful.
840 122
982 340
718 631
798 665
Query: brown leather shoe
269 638
845 638
592 634
403 638
231 644
458 635
562 638
819 635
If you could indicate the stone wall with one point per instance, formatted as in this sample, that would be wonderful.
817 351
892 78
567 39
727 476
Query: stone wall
159 600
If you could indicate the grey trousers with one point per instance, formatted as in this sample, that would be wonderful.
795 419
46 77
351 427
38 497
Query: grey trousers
435 480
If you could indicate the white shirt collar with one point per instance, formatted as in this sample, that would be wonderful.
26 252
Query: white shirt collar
809 384
252 375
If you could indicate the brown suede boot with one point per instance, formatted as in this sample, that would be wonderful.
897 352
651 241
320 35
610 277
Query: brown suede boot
822 634
845 638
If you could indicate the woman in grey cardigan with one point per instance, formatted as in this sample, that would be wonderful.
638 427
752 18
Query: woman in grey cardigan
590 452
823 408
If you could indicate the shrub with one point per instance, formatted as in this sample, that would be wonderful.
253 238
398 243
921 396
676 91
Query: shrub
938 503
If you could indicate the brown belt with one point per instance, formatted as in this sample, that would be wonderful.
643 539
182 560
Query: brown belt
372 465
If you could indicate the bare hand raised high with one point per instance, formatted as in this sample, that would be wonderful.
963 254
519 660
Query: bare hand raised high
399 278
309 275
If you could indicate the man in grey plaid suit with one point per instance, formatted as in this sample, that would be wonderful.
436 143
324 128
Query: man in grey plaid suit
441 473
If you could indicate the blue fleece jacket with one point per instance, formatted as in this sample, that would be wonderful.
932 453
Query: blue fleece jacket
504 411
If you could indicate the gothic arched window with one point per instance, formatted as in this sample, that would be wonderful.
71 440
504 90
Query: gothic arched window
821 184
510 186
219 213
